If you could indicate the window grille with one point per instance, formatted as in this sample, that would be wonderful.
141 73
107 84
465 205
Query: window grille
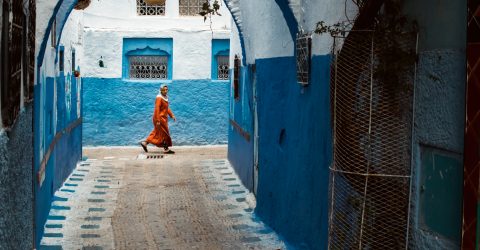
145 9
148 67
303 55
372 133
236 78
190 7
222 67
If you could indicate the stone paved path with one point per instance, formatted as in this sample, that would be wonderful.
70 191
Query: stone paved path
122 199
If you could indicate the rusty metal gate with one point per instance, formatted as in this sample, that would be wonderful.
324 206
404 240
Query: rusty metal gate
372 126
17 57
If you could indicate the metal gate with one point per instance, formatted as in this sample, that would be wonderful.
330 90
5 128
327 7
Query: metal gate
372 126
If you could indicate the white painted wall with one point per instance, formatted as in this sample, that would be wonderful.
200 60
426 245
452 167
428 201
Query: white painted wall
107 22
44 12
265 31
329 11
72 39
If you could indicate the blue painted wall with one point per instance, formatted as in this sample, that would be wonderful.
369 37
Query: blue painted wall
119 112
67 148
295 147
240 148
220 47
147 47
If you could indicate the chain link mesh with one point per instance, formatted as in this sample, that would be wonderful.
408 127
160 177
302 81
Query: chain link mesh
371 172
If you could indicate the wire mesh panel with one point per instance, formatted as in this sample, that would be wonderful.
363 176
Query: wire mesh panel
190 7
145 9
303 54
148 67
372 115
222 67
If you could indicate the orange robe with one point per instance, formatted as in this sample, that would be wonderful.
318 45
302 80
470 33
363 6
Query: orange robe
160 135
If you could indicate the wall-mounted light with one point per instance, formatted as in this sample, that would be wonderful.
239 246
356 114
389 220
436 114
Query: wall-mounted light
101 64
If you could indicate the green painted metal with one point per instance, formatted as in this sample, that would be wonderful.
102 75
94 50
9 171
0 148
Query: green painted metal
441 185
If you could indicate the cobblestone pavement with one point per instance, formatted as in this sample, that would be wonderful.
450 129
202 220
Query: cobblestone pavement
121 198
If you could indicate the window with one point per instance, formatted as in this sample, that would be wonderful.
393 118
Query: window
53 34
148 67
190 7
236 78
303 55
222 67
73 60
151 7
61 61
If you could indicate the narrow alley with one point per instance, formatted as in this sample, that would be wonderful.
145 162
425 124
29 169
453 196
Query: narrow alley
239 124
120 198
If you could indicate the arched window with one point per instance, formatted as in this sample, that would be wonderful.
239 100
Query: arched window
151 7
190 7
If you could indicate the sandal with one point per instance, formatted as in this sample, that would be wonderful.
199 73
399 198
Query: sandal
144 147
169 152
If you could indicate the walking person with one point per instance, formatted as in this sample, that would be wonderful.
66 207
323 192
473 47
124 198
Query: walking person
160 136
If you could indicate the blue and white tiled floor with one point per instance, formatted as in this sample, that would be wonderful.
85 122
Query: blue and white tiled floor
123 199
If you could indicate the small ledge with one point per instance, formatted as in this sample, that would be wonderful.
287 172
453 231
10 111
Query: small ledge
146 81
221 81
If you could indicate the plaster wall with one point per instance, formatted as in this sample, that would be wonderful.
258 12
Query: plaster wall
294 121
57 99
16 208
126 10
439 108
113 21
191 60
119 112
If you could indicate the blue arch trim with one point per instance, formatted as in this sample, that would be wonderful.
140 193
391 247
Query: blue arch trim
147 51
242 42
289 17
43 46
65 19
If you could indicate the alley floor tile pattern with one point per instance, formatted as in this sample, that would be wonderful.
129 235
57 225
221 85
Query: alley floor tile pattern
158 203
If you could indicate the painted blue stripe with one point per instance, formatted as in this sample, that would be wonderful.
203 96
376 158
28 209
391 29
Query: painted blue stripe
56 198
54 226
50 247
71 185
56 217
60 208
53 235
96 209
67 190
